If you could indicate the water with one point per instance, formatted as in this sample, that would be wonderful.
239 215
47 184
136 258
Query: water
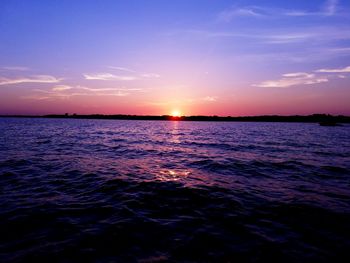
154 191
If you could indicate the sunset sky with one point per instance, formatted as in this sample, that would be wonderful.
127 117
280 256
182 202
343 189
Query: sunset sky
207 57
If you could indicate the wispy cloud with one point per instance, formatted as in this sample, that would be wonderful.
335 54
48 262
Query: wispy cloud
15 68
339 50
143 75
210 98
328 8
289 37
305 55
293 79
66 92
122 69
320 43
108 76
107 89
61 88
337 70
35 97
31 79
150 75
228 14
321 35
318 34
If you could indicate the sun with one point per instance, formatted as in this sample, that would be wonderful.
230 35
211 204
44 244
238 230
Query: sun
176 113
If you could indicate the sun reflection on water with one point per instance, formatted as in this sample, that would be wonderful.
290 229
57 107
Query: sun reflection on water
172 175
175 137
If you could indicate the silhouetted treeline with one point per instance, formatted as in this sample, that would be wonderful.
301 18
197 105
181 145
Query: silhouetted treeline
266 118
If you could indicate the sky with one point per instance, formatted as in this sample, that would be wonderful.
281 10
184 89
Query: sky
196 57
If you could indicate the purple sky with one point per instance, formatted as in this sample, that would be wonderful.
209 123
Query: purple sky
192 56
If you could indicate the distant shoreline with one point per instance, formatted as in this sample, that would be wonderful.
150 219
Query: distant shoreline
314 118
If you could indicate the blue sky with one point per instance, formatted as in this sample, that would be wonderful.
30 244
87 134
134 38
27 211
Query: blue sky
152 57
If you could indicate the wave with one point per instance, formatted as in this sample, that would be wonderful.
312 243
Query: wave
151 191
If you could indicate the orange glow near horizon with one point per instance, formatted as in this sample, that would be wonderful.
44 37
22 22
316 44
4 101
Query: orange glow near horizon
175 113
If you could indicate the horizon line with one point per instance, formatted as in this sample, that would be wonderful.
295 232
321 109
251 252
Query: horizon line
313 118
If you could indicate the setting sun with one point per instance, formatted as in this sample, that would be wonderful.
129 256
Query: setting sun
179 130
176 113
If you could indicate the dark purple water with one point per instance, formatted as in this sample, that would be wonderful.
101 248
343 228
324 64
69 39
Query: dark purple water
154 191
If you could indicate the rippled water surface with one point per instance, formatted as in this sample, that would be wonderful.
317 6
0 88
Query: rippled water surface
154 191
